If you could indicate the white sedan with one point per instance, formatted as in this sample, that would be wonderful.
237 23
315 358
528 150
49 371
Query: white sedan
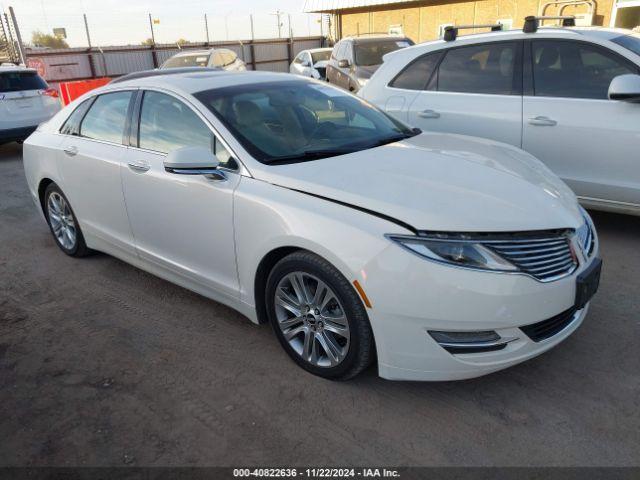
359 239
311 63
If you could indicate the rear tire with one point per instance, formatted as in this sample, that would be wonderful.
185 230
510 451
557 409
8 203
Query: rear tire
318 317
63 223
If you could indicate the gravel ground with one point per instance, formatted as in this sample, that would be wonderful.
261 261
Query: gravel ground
103 364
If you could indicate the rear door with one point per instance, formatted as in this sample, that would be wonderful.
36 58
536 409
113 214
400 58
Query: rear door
591 142
25 100
476 90
90 163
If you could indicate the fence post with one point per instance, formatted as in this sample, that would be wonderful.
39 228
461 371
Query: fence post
252 49
290 43
206 27
154 56
92 68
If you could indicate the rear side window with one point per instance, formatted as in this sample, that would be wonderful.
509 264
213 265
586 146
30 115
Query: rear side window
575 69
483 69
72 124
229 57
106 118
370 53
20 81
418 74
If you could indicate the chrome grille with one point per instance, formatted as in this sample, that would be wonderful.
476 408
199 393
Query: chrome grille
543 258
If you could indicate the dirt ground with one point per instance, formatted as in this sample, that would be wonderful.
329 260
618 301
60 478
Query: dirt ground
103 364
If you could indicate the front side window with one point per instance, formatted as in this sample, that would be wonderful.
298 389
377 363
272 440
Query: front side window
167 124
106 118
370 53
484 69
418 74
575 69
284 122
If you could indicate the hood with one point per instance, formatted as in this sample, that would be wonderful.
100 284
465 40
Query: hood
440 182
366 72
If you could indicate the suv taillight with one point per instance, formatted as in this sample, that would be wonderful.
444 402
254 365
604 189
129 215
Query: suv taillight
50 92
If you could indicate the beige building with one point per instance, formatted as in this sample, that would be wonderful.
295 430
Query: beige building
425 20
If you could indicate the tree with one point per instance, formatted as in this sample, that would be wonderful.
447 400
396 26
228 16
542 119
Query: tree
148 42
40 39
182 41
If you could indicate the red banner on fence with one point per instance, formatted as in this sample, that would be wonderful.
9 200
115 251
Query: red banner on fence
69 91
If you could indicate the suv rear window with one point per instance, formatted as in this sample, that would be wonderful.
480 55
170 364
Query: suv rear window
19 81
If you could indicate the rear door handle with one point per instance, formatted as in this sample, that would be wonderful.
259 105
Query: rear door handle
139 166
429 114
542 122
71 151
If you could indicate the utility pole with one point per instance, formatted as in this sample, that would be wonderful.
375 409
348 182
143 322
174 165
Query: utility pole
278 14
23 57
206 27
154 55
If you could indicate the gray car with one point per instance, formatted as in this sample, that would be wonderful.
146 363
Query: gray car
355 59
214 57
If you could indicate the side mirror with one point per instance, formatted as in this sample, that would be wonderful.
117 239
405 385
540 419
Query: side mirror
193 161
625 88
344 63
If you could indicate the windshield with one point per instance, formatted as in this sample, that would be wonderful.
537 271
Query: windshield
320 56
18 81
630 42
187 61
370 53
293 121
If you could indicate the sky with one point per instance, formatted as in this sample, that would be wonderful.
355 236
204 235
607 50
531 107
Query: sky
124 22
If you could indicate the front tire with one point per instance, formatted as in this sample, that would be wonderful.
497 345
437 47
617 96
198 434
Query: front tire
318 317
63 223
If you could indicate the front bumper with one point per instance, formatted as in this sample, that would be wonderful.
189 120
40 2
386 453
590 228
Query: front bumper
16 134
411 296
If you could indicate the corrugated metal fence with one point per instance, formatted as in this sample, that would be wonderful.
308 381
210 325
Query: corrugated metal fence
82 63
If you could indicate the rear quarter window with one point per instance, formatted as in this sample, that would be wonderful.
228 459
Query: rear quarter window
417 75
20 81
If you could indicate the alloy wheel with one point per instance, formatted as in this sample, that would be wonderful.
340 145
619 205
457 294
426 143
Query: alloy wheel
312 319
61 220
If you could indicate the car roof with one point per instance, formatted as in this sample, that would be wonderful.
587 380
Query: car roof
376 38
188 53
315 50
16 68
196 81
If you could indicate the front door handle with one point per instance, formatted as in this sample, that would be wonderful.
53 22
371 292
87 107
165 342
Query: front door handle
429 114
71 151
542 122
139 166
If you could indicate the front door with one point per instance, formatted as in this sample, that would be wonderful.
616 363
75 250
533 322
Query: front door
569 123
181 223
476 90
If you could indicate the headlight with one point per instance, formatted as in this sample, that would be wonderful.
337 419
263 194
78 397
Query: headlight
461 253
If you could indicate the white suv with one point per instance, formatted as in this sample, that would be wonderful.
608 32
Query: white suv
569 96
25 101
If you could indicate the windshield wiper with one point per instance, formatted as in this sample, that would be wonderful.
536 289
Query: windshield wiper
311 155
